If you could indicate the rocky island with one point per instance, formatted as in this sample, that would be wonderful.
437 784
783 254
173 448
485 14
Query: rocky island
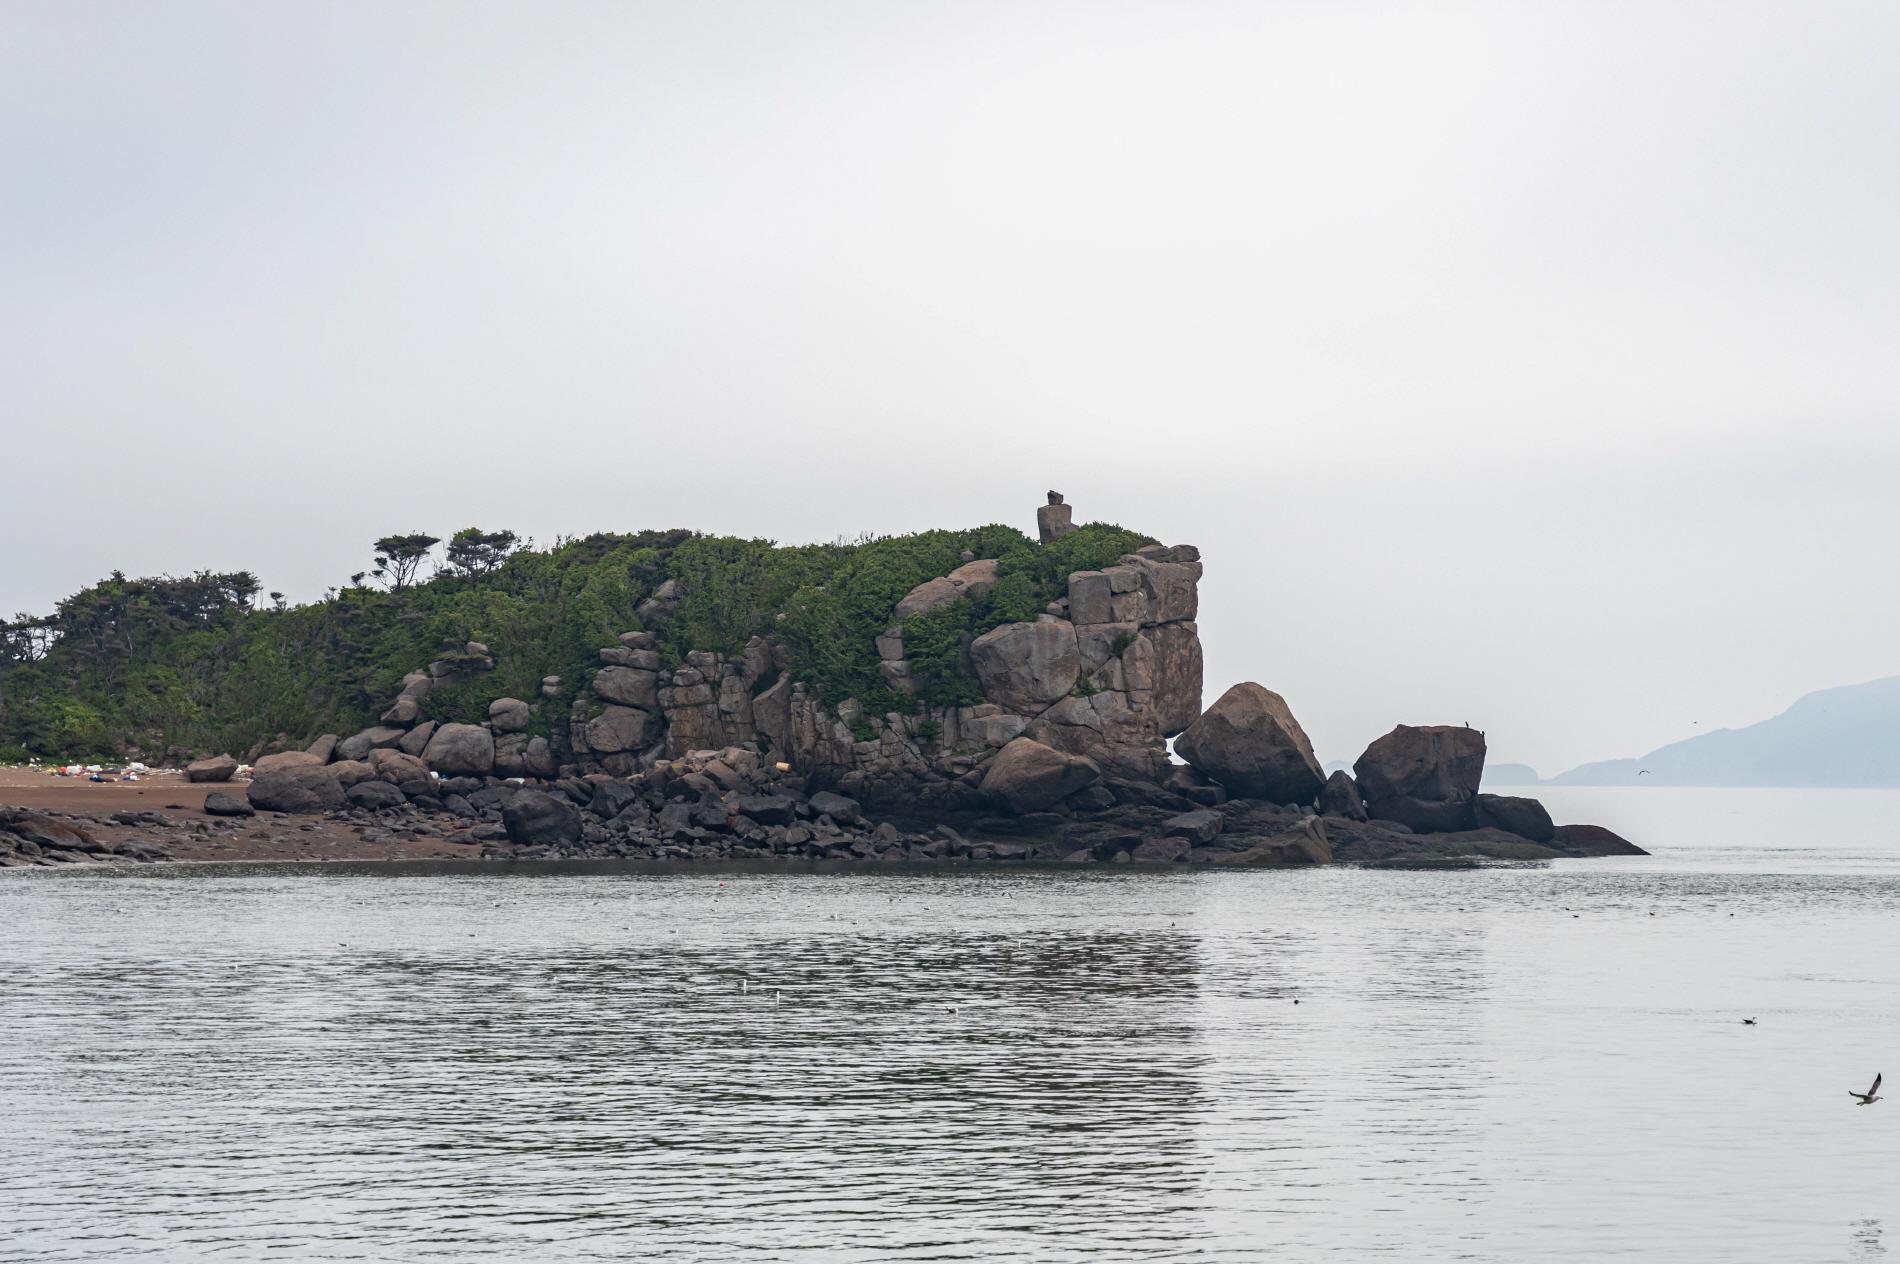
973 696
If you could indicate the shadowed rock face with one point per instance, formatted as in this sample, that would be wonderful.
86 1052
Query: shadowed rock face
1340 797
1527 818
1423 777
1027 776
1593 840
1249 742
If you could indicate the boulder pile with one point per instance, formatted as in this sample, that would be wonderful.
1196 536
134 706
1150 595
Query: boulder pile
664 754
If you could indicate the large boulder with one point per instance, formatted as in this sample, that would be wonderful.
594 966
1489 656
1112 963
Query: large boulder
1526 818
461 750
1425 777
628 686
1593 840
350 771
359 745
304 788
216 768
416 740
509 715
1249 742
394 767
1340 797
324 748
376 796
1026 776
928 595
286 759
539 758
218 803
1027 666
977 578
531 818
617 729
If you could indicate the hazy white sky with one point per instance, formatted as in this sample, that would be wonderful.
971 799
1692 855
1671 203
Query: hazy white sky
1526 364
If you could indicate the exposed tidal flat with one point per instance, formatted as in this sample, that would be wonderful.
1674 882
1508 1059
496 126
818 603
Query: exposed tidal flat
587 1061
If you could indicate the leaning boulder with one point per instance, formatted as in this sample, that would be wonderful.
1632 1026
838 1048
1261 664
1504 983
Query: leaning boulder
216 768
1026 776
305 788
1250 743
324 748
1425 777
1027 666
1525 818
531 817
461 750
1340 797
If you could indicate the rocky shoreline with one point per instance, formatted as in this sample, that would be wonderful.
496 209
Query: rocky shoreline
687 754
726 807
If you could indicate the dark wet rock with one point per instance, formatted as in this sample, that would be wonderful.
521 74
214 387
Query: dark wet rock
840 808
1196 827
535 817
1593 840
769 809
611 798
218 803
298 789
1340 797
1160 850
375 796
1527 818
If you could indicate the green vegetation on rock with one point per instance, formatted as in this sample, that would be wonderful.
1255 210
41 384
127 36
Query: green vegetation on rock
176 666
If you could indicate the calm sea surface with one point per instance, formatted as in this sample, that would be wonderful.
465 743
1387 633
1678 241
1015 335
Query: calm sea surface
412 1063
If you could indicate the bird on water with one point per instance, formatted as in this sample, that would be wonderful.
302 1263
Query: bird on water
1871 1096
1748 1022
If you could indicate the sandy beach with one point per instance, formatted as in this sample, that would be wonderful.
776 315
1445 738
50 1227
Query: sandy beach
187 833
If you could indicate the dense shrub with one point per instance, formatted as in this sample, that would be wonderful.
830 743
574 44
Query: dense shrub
192 664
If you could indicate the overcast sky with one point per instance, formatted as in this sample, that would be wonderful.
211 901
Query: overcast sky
1531 365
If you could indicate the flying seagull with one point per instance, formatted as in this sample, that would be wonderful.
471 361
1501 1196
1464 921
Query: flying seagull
1871 1096
1642 772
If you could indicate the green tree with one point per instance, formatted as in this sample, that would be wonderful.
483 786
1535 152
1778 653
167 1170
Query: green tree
473 552
398 557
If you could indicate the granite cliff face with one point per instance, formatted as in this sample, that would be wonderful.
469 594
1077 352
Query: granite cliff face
1108 673
675 751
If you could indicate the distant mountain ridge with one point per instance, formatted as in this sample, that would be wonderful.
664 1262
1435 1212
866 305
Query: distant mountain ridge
1843 737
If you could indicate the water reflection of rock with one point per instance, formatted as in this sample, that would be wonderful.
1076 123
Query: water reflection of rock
1069 1076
